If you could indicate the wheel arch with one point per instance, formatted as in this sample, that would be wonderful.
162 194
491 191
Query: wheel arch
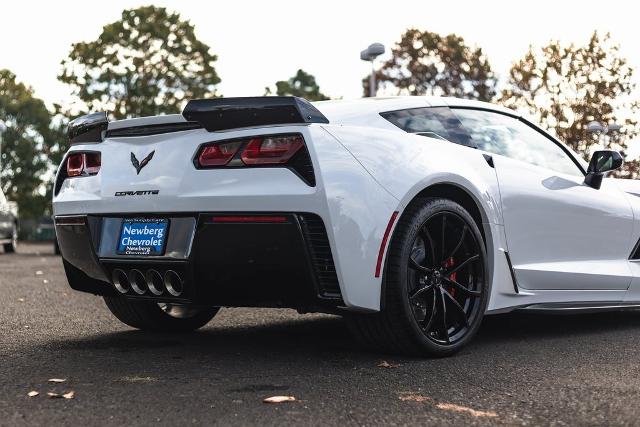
465 198
460 195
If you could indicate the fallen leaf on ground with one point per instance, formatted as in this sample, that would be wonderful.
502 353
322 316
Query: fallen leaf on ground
414 398
53 395
464 409
57 380
20 299
385 364
33 393
45 281
69 395
39 273
279 399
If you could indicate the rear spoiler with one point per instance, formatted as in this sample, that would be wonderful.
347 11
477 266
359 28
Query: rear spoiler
231 113
211 114
87 128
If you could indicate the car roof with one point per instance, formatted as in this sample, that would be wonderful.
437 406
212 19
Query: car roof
366 111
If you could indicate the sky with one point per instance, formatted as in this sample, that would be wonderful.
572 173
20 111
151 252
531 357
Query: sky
261 42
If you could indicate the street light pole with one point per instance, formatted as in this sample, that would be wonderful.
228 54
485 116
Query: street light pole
370 54
3 128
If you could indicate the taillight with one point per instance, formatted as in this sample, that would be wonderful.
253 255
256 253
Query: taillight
219 154
83 164
285 150
271 150
263 150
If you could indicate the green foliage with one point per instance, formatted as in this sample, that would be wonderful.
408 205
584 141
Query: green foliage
426 63
149 62
567 86
302 84
25 146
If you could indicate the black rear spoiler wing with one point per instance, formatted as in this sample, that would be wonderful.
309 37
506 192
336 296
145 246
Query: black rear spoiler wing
212 114
232 113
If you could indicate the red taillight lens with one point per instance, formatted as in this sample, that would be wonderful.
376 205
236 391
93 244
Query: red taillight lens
75 164
263 150
83 164
219 154
271 150
92 163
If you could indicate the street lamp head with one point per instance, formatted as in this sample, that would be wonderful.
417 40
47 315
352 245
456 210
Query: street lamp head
614 127
372 52
595 126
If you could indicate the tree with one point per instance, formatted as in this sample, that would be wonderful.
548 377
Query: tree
24 147
426 63
149 62
302 84
567 86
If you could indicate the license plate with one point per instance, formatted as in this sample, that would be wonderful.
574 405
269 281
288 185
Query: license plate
143 237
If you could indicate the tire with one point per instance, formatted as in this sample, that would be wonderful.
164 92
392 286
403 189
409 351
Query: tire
11 247
415 293
149 316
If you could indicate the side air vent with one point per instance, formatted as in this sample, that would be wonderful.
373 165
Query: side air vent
635 254
152 129
317 241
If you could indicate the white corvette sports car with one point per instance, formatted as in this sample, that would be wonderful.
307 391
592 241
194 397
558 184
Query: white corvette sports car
412 217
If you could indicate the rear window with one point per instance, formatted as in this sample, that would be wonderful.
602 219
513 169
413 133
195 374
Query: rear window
438 122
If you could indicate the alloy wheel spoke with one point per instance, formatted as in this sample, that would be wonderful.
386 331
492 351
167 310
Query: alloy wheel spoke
420 291
461 288
444 240
457 305
416 266
426 237
444 328
432 316
459 244
462 264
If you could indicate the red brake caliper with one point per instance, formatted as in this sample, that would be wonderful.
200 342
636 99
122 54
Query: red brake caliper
448 264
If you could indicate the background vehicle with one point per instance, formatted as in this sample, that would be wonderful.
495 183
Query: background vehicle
8 224
412 217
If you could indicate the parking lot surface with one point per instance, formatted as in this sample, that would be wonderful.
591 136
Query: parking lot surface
520 370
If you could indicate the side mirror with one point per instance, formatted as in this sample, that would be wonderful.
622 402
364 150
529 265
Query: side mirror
602 162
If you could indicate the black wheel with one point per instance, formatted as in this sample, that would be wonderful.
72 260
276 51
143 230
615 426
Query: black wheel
159 317
435 283
13 244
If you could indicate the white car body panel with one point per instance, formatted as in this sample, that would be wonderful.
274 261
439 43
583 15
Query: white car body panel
561 233
567 245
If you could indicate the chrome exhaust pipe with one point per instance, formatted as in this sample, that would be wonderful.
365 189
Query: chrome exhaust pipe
154 282
138 281
173 283
120 281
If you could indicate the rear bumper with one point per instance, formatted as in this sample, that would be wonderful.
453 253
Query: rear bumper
284 263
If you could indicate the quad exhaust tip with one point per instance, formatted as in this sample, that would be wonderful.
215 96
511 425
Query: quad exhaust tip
173 283
152 281
138 281
155 282
120 281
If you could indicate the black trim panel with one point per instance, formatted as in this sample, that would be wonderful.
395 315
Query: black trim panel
286 262
513 273
232 113
87 128
148 130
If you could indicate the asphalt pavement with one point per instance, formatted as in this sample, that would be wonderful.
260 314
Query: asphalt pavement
520 370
